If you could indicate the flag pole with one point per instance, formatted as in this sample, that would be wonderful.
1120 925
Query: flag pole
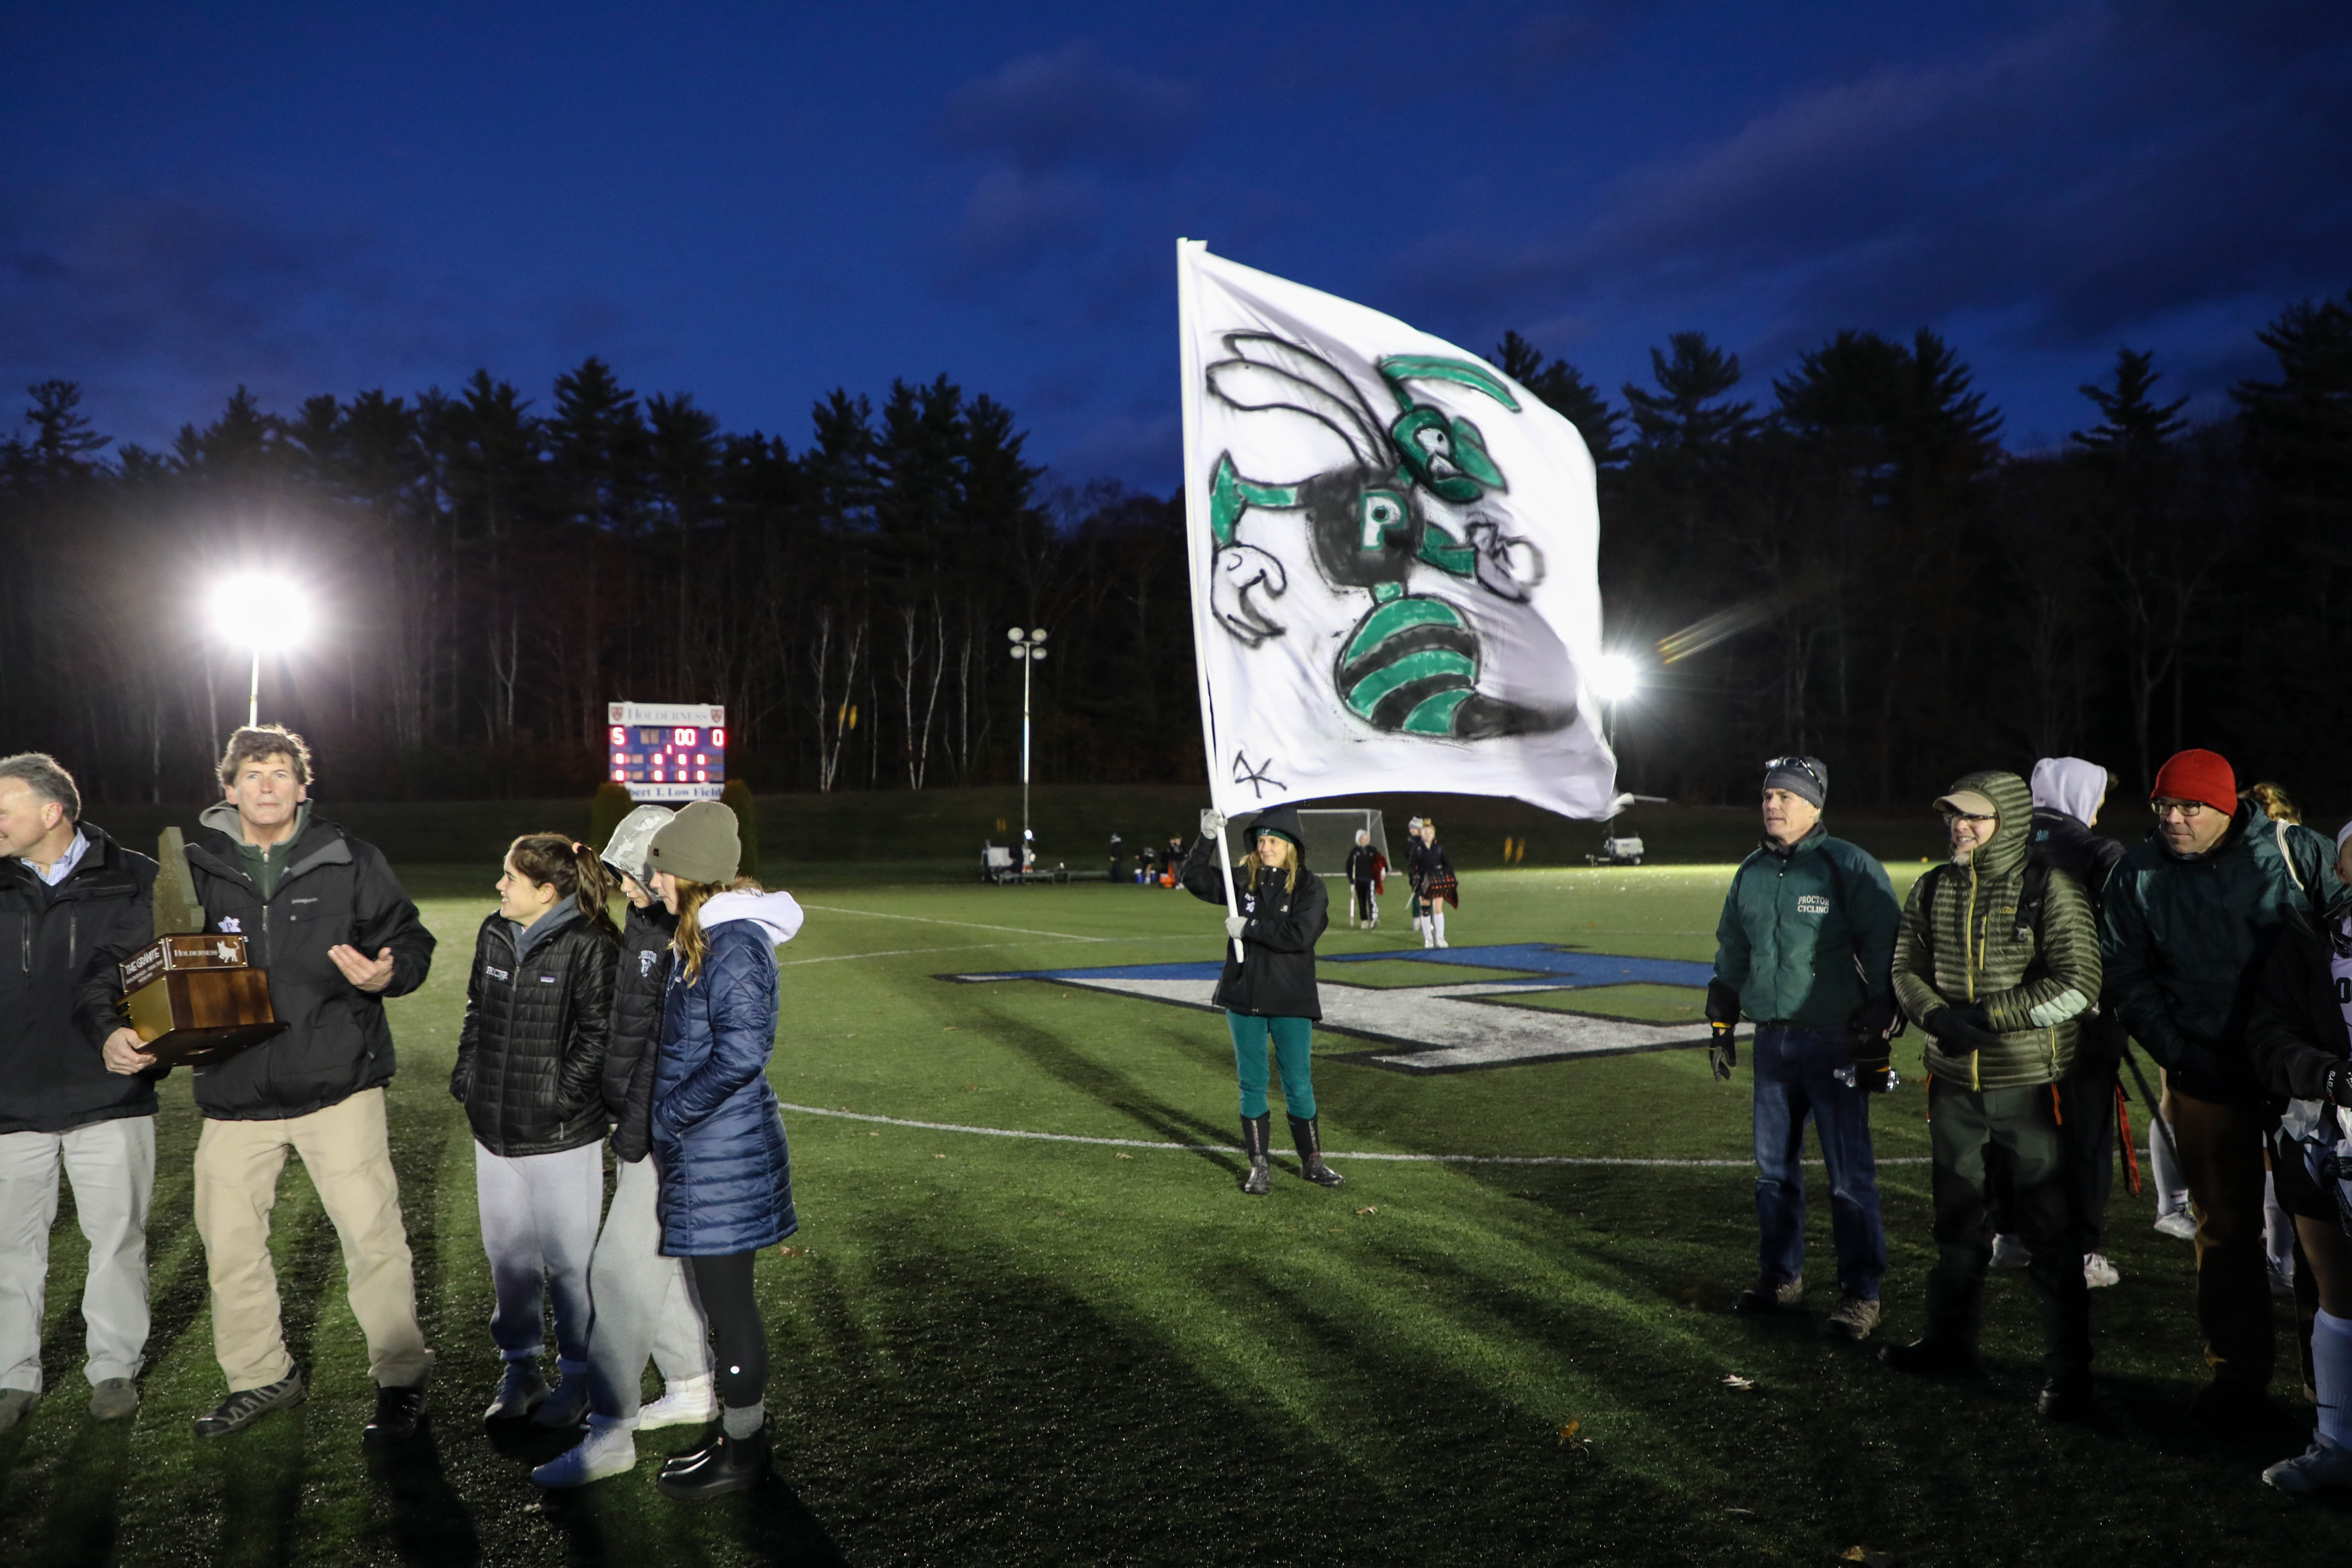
1196 544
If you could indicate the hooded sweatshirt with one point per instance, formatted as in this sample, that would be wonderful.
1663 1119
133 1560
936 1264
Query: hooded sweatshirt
1957 944
2071 785
780 913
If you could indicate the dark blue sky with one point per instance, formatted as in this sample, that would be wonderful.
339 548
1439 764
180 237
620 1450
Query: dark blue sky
756 203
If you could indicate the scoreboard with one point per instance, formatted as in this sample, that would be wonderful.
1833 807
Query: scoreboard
667 751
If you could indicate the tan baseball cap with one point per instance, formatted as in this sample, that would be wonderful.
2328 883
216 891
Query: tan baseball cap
1967 803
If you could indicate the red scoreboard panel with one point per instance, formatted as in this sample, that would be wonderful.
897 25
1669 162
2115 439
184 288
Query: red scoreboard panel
667 751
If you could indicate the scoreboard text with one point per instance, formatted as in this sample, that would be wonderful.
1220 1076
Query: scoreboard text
667 751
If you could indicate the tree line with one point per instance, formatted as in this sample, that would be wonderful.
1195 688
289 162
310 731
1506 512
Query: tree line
488 574
1846 563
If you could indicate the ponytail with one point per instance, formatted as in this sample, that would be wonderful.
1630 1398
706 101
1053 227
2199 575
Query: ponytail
573 870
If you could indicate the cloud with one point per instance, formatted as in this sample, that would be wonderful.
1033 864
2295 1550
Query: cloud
2078 184
1070 109
159 304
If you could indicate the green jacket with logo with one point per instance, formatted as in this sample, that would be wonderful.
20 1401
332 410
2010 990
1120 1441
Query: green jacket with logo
2186 938
1959 945
1807 932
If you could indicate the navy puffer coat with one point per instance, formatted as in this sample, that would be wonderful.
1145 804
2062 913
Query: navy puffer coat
718 1137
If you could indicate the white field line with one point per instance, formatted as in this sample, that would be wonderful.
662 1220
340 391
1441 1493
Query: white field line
968 925
970 947
1334 1153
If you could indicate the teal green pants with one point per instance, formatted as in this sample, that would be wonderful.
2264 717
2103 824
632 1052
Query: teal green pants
1291 1039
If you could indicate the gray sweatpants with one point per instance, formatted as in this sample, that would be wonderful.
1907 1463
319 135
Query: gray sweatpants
539 1226
646 1304
112 1165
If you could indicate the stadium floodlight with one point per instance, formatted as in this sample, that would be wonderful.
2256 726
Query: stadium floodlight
262 612
1615 677
1028 648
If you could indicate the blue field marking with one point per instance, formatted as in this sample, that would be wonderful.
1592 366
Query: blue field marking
1540 964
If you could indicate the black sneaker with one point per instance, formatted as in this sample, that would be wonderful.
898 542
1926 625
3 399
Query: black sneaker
243 1408
1768 1296
2068 1398
399 1412
1929 1358
722 1465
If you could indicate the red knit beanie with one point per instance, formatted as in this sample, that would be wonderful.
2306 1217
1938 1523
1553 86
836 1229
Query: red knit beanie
2197 776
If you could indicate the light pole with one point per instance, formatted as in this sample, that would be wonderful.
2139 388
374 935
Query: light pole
1614 678
264 614
1028 647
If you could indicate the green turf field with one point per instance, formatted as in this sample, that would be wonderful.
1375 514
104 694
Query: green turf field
998 1350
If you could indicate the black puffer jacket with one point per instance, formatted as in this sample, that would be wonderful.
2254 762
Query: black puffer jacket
636 1028
59 984
334 890
1275 978
530 1054
2296 1031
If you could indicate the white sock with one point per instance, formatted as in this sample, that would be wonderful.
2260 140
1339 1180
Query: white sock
2171 1187
1437 917
2331 1375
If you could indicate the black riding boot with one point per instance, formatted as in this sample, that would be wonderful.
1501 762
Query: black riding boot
1308 1134
1256 1132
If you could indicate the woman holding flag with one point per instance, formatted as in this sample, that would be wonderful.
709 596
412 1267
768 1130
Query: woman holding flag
1267 989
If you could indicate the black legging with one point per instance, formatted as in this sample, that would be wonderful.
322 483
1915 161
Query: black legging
739 1339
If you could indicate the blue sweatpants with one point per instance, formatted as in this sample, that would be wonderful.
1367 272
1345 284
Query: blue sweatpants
1291 1040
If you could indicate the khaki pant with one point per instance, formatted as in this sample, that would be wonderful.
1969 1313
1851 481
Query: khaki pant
349 1156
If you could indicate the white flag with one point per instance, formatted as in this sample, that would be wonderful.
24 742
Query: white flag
1392 551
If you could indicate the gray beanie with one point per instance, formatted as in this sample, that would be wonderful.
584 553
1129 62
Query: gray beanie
1807 778
698 845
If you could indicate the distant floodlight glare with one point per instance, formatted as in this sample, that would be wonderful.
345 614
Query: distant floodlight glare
267 615
1615 677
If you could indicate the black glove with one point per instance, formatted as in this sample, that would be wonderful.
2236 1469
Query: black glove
1873 1023
1722 1002
1875 1074
1722 1051
2338 1084
1962 1030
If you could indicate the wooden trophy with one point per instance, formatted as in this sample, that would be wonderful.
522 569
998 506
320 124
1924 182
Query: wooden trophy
191 995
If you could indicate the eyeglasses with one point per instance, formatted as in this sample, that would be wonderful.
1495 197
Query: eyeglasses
1794 764
1966 816
2189 809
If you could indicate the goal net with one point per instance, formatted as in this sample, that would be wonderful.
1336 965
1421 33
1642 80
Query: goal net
1330 834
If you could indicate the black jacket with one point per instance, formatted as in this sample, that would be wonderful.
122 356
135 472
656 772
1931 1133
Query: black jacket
2065 843
59 987
334 890
530 1054
636 1028
2295 1031
1276 977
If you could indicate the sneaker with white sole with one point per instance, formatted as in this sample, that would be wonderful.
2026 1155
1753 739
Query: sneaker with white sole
689 1401
2010 1252
2323 1469
2098 1273
609 1449
2176 1225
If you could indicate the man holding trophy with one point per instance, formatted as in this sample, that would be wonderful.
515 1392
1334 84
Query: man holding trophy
322 913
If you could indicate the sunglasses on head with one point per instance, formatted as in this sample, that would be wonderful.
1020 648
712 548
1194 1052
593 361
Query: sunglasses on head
1794 764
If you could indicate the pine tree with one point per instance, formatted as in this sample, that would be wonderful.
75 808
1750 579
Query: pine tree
1685 413
63 445
2131 424
2299 427
1566 391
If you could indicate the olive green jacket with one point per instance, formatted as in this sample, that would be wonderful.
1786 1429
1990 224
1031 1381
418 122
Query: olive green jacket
1964 949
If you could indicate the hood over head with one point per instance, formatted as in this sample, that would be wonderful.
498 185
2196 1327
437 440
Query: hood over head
779 912
2071 785
2005 851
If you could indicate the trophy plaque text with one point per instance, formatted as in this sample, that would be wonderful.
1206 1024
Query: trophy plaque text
192 1000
